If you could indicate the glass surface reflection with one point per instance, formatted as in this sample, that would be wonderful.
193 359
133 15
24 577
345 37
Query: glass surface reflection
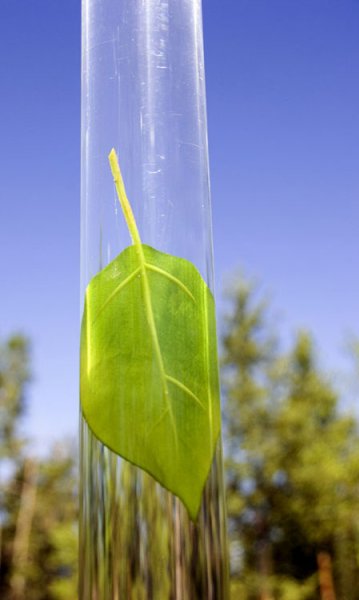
137 541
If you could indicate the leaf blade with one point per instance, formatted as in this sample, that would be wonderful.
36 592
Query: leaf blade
123 379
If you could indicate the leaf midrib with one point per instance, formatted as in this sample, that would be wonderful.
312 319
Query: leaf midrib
153 329
132 227
164 273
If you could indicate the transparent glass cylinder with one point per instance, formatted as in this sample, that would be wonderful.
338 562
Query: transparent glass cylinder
143 93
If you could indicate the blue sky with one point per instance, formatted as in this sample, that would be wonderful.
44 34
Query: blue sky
283 108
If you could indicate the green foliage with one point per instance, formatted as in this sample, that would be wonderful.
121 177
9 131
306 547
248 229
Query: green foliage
53 561
13 377
38 502
276 587
149 374
39 535
292 462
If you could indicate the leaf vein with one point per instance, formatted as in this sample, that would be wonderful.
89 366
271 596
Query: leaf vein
156 424
172 278
185 389
117 290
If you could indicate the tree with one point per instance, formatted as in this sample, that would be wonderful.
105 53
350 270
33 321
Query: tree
38 498
52 568
292 461
39 538
14 374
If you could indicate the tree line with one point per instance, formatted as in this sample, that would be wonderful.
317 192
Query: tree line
291 466
38 497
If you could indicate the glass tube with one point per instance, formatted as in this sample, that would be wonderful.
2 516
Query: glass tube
143 93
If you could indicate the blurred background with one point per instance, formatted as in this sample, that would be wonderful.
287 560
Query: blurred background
283 98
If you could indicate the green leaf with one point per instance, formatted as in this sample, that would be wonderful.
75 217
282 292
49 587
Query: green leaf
149 373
